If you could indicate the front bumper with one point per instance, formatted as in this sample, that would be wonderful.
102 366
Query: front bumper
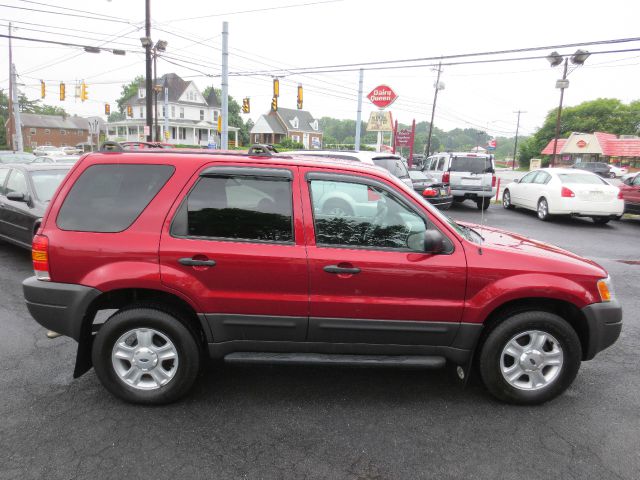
604 322
60 307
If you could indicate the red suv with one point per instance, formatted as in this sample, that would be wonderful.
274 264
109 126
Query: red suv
240 257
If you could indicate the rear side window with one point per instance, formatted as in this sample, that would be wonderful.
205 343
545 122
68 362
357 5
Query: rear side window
109 198
470 164
393 165
237 208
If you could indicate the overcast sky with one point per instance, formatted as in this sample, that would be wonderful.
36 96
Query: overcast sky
332 33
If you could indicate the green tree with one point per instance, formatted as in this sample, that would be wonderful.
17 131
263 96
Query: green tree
235 120
128 91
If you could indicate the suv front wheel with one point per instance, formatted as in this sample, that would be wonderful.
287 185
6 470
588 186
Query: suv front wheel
147 356
530 358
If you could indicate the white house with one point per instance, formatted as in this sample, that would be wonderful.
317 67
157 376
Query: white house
192 118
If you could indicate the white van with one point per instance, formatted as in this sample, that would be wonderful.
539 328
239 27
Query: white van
470 175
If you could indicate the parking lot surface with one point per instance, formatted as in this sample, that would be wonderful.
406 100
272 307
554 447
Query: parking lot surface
292 422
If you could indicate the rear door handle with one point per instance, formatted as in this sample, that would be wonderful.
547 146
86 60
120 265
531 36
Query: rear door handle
337 269
192 262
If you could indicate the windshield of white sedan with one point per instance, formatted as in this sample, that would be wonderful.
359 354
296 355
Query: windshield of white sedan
581 178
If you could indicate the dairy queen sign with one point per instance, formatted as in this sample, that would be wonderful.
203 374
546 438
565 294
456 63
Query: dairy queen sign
382 96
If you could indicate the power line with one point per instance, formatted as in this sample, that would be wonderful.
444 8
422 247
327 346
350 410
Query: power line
68 9
103 19
265 9
65 44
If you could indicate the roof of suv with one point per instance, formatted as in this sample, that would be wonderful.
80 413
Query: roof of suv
362 156
198 158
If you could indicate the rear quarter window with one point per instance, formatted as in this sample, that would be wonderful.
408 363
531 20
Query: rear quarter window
109 198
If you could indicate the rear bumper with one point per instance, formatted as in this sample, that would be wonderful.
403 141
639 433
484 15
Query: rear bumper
440 202
604 321
60 307
582 208
486 192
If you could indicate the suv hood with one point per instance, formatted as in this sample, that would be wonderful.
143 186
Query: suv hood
505 240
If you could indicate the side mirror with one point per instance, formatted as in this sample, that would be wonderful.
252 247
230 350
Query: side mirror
433 241
489 170
516 180
17 197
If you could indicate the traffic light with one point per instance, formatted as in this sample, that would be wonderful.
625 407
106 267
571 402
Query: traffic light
299 97
84 91
107 109
43 89
246 107
219 123
276 87
129 111
274 104
62 91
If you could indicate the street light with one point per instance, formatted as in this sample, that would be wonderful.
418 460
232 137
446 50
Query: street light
555 59
160 46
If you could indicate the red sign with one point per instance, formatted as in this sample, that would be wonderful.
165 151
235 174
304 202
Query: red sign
403 138
581 143
382 96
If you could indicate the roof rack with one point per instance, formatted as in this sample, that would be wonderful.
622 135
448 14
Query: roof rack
257 150
110 146
262 150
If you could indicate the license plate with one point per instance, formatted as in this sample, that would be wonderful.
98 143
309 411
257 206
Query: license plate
471 181
443 192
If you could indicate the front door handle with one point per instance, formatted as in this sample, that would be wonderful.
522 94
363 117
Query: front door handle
337 269
192 262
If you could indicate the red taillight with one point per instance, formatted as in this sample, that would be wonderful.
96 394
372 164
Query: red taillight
493 181
620 197
445 177
566 192
40 257
429 192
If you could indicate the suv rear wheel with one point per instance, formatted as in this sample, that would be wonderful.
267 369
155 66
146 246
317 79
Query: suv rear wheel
530 358
483 203
144 355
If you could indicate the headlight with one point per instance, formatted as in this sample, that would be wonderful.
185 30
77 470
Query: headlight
605 288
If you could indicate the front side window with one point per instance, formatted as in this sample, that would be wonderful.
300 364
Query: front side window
109 198
528 178
237 208
363 216
636 180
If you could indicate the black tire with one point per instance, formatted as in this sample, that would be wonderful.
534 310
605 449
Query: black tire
506 200
458 199
336 204
483 203
543 210
169 325
600 220
504 332
611 175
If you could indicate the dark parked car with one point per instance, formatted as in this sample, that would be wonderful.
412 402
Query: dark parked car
599 168
25 191
630 191
437 193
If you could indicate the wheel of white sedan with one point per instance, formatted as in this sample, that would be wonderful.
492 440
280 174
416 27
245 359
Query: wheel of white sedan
543 209
506 200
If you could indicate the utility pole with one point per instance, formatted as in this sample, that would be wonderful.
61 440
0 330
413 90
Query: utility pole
16 112
359 114
224 140
10 98
166 109
433 108
555 140
515 147
147 54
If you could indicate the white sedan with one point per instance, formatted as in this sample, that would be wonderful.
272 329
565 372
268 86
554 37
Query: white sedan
563 191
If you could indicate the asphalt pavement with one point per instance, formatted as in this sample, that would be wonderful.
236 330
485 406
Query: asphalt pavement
326 423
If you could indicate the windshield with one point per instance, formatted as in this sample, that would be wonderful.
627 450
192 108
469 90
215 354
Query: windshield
394 165
470 164
45 182
581 178
17 158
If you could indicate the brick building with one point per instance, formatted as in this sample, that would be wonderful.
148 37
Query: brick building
298 125
59 131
